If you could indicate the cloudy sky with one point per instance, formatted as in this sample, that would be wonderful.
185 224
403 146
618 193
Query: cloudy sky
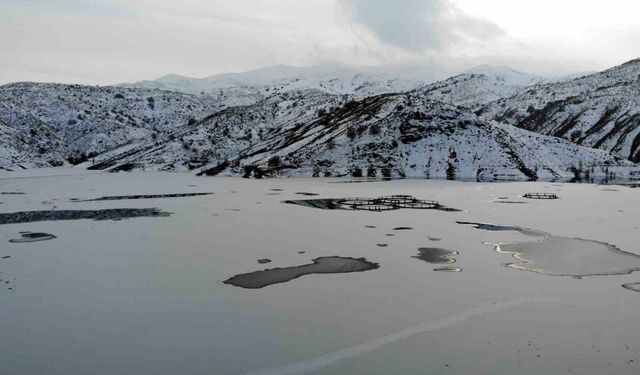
108 41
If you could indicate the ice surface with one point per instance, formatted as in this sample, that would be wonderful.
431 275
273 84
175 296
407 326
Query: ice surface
146 295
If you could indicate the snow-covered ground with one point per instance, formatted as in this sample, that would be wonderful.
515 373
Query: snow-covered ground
146 295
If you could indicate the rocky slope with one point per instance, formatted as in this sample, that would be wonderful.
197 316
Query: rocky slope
407 135
336 127
479 86
600 110
387 135
221 135
73 121
28 142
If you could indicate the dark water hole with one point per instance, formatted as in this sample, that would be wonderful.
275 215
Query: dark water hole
435 255
32 237
324 265
448 269
504 228
107 214
144 196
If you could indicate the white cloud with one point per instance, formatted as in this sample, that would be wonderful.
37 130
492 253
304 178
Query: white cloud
421 25
107 41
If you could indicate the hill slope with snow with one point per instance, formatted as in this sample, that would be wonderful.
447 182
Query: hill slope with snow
479 86
76 120
405 135
386 135
332 121
221 135
600 110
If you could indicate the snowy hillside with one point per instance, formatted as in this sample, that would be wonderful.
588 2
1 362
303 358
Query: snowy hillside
28 142
310 133
221 135
404 135
338 126
601 110
479 86
74 120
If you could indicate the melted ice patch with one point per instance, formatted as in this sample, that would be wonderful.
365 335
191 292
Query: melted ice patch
563 256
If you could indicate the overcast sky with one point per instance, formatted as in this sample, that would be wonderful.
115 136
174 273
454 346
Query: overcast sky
109 41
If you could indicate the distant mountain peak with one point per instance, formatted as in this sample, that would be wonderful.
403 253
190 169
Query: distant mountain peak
330 77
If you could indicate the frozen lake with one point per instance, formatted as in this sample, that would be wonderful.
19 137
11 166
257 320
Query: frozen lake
127 276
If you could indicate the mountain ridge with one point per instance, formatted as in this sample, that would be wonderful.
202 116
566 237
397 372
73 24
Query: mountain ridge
600 110
126 128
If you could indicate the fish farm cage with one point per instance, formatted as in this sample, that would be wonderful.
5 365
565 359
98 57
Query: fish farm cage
387 203
540 196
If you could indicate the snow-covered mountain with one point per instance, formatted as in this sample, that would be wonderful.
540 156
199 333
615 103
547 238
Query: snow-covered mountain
28 142
221 135
471 89
332 78
386 135
331 120
72 121
601 110
406 135
479 86
246 88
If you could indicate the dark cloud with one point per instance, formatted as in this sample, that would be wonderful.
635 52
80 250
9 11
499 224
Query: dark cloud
419 25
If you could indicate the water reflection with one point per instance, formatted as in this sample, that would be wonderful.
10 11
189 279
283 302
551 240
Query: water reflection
436 255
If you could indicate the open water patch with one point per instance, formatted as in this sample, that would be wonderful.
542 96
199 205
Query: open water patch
323 265
57 215
448 269
434 255
27 237
142 196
